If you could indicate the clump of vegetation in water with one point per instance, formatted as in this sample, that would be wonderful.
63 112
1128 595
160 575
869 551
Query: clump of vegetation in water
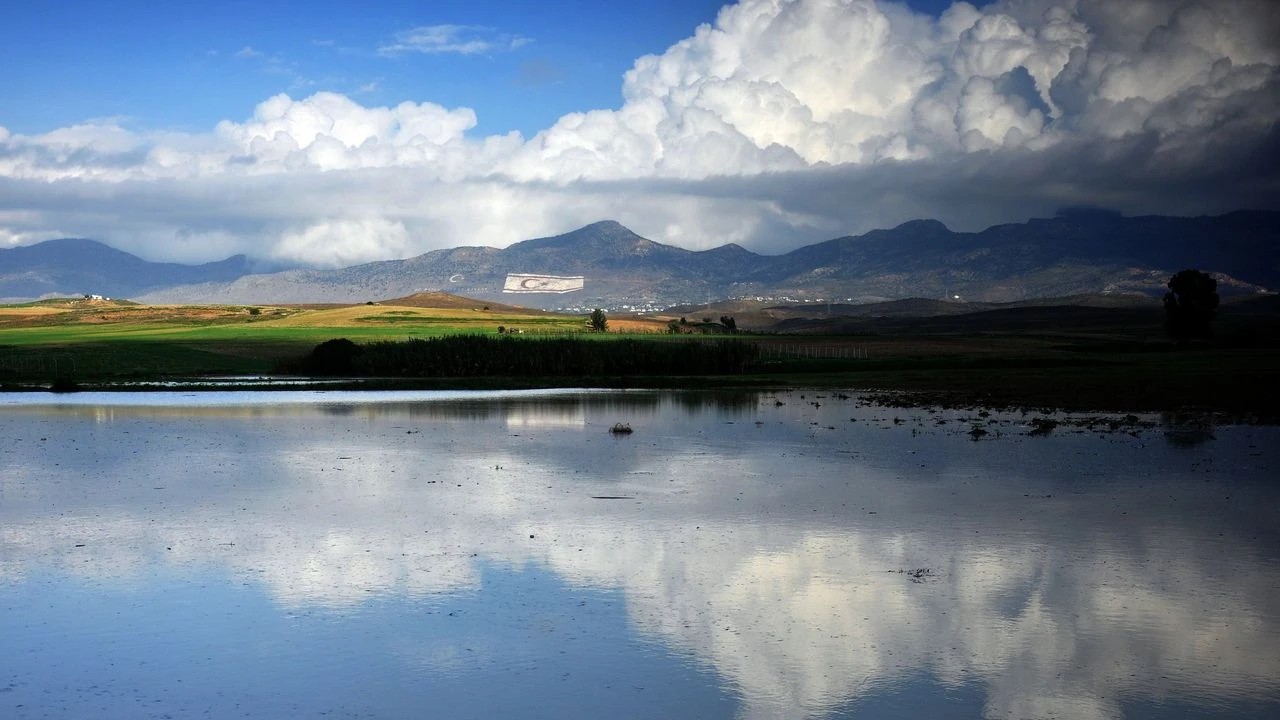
1042 426
918 575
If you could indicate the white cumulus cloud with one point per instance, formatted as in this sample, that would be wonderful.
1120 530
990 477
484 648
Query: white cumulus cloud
344 242
781 123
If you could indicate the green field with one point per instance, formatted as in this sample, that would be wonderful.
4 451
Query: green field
97 342
1125 363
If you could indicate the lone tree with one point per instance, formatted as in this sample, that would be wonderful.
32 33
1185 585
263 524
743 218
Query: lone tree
598 322
1190 305
729 323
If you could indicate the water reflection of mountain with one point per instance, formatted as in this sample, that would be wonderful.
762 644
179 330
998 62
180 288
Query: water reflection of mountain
1061 579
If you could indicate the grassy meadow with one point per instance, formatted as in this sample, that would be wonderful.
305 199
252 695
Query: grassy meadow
1124 364
101 340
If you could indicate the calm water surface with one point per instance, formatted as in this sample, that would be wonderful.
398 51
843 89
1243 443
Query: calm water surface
483 555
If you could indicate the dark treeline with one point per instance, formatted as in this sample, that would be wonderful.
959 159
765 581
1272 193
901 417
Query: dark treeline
481 356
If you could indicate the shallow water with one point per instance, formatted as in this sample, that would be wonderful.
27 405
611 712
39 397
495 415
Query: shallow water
737 556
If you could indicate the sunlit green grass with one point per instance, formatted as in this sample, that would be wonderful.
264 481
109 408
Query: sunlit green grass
261 332
122 343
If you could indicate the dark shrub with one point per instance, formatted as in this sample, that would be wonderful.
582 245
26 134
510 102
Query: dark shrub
64 385
1190 305
333 357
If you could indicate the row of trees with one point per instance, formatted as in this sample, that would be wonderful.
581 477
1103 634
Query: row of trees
507 356
599 323
1190 307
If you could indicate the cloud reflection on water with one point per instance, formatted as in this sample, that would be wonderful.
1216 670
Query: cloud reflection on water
770 552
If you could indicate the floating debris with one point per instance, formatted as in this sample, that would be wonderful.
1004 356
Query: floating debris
917 575
620 429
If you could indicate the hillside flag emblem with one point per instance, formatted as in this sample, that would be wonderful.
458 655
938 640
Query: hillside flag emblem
526 283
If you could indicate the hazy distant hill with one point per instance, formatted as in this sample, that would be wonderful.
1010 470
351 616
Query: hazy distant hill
85 267
1075 253
620 266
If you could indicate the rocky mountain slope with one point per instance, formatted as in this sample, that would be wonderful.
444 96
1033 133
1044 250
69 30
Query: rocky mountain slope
1074 253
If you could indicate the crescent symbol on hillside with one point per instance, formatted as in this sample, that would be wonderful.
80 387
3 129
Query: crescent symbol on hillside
524 284
455 278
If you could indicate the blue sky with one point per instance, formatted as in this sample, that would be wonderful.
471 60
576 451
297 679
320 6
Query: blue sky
331 133
187 65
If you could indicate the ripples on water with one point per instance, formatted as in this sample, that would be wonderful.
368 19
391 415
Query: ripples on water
750 555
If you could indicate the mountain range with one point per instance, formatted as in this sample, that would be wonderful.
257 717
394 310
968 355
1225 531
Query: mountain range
74 266
1075 252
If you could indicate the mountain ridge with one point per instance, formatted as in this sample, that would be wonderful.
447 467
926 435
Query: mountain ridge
83 266
1076 252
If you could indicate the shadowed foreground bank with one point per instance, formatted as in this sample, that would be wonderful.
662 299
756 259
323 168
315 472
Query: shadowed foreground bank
483 356
1013 369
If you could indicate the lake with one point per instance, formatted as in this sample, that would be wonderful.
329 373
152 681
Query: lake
503 554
